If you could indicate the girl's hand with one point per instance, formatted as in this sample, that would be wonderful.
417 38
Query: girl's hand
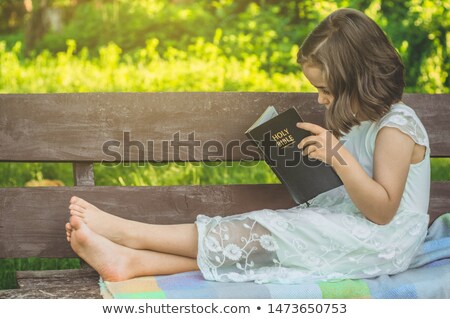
322 145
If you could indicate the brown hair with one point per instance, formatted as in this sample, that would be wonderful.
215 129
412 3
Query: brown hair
361 67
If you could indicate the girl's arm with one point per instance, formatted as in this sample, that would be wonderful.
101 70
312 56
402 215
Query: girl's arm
377 198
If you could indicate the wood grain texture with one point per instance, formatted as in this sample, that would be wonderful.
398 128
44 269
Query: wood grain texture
55 284
439 199
83 174
76 126
32 219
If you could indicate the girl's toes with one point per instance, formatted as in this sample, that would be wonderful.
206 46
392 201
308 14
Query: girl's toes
77 207
80 202
68 231
76 213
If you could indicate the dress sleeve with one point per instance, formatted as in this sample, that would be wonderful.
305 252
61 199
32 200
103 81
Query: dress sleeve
406 120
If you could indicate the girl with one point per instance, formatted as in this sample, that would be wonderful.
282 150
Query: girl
372 225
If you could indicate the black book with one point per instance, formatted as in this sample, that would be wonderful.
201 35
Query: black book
277 137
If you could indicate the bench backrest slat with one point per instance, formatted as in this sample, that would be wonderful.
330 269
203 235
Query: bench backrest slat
32 219
74 127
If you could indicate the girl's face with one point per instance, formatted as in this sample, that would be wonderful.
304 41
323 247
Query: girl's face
315 76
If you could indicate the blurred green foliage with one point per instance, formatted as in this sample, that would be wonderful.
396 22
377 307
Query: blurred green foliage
202 67
263 33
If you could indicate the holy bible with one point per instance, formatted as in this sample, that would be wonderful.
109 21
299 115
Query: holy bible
277 137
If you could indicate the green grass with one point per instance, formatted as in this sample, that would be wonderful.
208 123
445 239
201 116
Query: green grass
9 266
184 174
440 169
17 174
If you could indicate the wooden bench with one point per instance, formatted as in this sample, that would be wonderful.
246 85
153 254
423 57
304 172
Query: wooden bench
74 127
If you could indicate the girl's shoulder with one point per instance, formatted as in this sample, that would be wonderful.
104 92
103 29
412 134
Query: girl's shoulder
402 107
404 118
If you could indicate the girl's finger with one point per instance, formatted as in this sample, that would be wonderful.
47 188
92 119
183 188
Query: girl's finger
309 149
310 140
313 128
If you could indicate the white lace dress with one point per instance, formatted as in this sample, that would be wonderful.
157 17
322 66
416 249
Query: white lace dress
331 239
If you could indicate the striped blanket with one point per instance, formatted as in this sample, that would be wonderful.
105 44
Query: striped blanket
427 277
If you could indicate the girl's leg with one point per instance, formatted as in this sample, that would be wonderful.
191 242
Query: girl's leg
115 262
172 239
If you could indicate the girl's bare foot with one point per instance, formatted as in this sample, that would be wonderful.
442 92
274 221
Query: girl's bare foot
110 260
110 226
114 262
171 239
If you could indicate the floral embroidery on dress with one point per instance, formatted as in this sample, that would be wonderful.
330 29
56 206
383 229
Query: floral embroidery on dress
232 251
268 243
